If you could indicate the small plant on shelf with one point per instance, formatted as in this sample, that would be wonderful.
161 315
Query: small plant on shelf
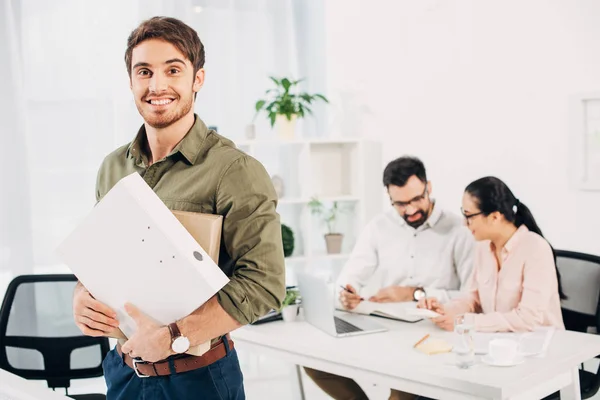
329 216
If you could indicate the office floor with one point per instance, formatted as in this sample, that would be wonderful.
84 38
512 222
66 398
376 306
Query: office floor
267 378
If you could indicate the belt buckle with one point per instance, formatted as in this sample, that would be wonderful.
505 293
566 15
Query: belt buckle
138 373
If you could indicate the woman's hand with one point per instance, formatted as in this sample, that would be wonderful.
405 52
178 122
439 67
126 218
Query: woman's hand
431 303
445 322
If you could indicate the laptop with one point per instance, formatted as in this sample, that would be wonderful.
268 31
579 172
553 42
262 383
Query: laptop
318 301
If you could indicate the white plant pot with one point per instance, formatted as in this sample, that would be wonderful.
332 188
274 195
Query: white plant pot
289 313
286 128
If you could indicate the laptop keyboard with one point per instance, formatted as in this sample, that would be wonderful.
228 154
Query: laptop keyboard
342 326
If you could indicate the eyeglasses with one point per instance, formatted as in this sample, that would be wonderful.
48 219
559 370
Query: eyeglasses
469 216
415 200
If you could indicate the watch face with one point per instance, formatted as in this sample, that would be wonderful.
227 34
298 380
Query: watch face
181 344
419 294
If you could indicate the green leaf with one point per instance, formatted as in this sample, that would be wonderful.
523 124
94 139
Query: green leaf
272 117
259 105
306 97
298 81
320 96
285 82
275 80
271 105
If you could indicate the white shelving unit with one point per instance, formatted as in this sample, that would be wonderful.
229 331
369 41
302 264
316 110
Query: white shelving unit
344 170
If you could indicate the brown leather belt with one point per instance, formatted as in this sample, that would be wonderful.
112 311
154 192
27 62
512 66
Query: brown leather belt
185 363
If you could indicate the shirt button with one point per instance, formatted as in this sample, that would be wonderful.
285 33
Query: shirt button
412 256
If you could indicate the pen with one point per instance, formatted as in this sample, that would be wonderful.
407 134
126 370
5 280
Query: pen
349 291
424 338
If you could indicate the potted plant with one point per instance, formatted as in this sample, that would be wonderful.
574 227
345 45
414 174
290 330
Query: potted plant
333 240
287 235
284 106
289 306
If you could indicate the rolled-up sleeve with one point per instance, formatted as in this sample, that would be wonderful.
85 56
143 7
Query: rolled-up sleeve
252 238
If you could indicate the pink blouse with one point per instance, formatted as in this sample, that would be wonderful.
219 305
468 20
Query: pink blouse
520 295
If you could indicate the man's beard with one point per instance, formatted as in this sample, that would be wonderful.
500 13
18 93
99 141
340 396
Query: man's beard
418 222
167 118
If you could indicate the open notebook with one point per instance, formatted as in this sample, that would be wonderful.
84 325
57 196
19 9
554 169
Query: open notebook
404 311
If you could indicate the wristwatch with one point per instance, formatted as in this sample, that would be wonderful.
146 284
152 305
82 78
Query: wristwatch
179 343
418 294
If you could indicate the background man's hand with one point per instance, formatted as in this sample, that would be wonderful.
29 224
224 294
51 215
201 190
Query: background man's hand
92 317
349 298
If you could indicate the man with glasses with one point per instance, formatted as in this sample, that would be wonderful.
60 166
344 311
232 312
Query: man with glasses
413 250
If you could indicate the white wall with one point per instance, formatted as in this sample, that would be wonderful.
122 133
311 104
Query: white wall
475 88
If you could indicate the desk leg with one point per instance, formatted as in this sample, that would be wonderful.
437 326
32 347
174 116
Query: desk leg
573 391
297 387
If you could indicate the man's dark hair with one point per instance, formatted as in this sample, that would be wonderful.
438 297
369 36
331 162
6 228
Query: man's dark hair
171 30
401 169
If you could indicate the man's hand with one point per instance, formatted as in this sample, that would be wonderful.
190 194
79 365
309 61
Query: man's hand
349 298
92 317
392 294
151 342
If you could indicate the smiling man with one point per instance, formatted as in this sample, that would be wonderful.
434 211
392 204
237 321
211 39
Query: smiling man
413 250
191 168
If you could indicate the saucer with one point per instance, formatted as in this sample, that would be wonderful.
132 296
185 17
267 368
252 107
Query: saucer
519 359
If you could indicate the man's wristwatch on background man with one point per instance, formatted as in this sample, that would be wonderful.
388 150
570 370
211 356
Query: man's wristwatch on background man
418 294
179 343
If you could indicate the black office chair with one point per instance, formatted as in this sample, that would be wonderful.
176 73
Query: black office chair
580 276
39 338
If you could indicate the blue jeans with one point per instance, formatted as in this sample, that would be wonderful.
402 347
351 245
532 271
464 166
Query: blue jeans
221 380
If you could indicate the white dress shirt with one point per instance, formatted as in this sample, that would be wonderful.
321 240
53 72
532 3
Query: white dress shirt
437 256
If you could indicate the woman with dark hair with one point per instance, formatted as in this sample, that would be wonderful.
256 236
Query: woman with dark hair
515 285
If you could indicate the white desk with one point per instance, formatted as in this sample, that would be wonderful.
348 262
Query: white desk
14 387
388 359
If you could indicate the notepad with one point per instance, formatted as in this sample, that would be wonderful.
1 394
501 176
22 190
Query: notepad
434 346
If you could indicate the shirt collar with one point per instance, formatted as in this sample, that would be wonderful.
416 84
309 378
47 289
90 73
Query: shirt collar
436 215
514 240
189 147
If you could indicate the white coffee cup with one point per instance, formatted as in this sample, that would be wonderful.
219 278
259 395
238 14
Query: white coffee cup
503 351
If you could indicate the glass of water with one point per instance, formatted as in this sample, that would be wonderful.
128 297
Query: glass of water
464 349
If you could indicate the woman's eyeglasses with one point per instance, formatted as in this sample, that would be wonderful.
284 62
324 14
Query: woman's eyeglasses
469 216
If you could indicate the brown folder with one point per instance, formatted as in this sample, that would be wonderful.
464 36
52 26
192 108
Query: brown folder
206 229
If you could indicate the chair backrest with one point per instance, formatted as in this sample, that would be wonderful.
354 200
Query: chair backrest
580 277
38 335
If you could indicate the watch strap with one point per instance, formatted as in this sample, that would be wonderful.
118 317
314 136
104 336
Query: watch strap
174 329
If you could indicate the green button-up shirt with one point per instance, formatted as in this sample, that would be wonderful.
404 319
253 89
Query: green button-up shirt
206 173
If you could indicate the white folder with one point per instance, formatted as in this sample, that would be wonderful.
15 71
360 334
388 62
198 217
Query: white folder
131 248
